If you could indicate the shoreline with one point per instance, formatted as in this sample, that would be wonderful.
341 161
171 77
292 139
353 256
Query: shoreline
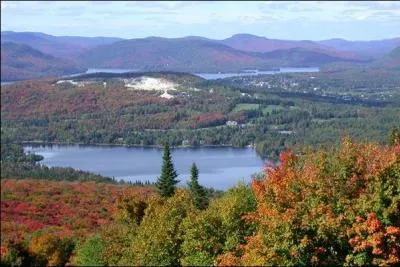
128 146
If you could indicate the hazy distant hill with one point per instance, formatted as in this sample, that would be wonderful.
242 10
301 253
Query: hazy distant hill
59 46
253 43
374 48
308 57
390 60
20 62
195 54
180 54
395 53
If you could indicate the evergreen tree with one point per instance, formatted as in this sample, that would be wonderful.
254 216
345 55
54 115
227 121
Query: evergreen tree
198 192
167 181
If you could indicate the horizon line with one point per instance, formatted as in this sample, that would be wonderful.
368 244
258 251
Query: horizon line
199 36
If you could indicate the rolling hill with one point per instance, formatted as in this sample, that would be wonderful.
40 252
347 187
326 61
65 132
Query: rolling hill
253 43
19 62
308 57
68 47
389 61
178 54
375 48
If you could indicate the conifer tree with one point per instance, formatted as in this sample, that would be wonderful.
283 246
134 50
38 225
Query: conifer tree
167 181
198 192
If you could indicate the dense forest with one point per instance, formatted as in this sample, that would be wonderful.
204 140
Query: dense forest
334 206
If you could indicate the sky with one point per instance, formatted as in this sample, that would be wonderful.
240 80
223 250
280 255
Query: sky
294 20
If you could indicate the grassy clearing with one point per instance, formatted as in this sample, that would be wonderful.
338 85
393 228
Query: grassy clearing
241 107
270 108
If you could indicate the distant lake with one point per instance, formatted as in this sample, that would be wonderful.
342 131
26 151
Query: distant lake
219 168
214 76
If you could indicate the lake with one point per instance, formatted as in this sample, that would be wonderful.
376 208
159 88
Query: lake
219 168
214 76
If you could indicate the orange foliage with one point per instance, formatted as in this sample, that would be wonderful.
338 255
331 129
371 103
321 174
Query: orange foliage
371 235
310 208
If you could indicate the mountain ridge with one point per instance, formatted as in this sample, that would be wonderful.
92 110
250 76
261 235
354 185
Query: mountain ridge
195 55
201 54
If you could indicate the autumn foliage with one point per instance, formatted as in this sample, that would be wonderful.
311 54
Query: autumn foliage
60 210
334 207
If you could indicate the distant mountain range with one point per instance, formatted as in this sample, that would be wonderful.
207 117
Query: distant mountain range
196 54
203 55
19 62
68 47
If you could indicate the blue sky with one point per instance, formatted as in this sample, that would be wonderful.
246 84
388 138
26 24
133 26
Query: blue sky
296 20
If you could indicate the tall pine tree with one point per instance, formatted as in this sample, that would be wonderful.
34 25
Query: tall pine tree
199 193
167 181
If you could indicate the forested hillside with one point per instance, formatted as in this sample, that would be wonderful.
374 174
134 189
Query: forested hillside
19 62
336 206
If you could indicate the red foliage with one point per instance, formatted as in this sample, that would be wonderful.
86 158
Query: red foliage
77 208
208 120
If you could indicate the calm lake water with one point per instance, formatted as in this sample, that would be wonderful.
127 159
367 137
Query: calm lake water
219 168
